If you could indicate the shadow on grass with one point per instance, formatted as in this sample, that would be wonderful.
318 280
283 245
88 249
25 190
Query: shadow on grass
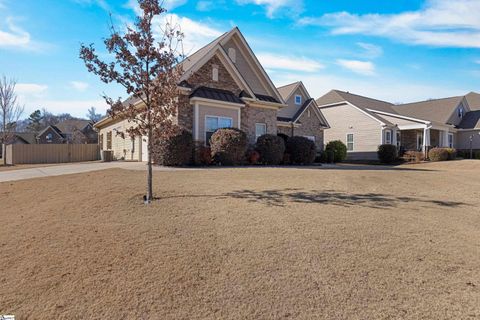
280 198
283 197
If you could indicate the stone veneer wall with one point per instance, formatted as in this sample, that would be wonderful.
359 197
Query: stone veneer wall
251 115
203 77
311 126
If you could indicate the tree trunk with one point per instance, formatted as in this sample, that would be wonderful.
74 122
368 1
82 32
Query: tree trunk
149 164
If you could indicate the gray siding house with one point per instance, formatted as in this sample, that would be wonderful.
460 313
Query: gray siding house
364 123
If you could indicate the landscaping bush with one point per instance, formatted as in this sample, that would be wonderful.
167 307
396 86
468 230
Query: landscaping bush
452 153
387 153
301 150
271 149
174 149
477 155
202 155
253 156
438 154
228 146
339 150
413 156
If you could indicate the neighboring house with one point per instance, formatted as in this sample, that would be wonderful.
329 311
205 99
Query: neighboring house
69 131
19 138
301 117
364 123
223 85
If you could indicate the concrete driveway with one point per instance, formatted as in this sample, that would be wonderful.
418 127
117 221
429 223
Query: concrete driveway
72 168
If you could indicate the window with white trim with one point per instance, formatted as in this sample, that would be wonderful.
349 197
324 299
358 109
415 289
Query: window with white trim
232 54
308 113
260 130
388 137
461 112
399 139
350 142
311 138
450 140
215 73
298 99
213 123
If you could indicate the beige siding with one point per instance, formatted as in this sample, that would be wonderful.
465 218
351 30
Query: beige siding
292 108
123 149
462 140
346 119
245 69
204 111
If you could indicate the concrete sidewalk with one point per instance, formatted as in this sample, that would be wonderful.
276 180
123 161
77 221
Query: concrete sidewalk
72 168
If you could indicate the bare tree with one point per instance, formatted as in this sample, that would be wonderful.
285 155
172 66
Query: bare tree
10 113
146 66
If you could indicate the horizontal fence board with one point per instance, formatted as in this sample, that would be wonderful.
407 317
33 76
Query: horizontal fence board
51 153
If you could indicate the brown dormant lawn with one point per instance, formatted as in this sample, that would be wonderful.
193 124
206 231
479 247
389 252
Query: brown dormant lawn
248 243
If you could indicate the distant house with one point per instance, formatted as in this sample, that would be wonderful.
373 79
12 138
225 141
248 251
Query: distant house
69 131
364 123
19 138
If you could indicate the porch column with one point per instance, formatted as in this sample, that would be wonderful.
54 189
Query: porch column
445 138
426 140
394 137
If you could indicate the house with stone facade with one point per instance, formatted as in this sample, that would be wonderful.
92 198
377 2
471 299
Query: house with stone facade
223 85
364 123
301 117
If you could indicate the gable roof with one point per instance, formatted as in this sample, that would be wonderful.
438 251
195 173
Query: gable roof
287 90
473 100
438 110
196 60
68 126
361 102
300 111
471 120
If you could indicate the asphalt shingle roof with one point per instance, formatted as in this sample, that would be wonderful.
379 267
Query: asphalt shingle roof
216 94
471 120
438 110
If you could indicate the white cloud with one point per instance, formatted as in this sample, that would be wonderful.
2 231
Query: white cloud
272 6
14 36
30 89
204 5
477 61
302 64
366 68
371 51
79 85
442 23
196 33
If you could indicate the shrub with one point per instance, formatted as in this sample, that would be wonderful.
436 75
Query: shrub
438 154
253 156
301 150
271 149
174 149
452 153
228 146
476 155
339 150
413 156
387 153
202 155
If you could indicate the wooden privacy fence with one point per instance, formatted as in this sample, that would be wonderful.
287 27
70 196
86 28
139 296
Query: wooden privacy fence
51 153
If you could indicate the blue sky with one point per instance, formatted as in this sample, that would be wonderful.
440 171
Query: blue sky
400 51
